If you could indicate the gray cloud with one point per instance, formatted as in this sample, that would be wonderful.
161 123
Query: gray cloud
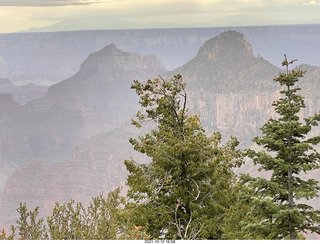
44 3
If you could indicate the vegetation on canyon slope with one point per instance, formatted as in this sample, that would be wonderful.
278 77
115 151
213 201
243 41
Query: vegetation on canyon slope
189 189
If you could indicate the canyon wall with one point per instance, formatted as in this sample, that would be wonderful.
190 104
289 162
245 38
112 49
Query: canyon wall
48 58
80 128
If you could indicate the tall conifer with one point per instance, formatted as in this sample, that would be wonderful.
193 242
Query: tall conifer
280 202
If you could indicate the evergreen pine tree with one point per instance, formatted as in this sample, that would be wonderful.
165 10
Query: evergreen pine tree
189 183
288 152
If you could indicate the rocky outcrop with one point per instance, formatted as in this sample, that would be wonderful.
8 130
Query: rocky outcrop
232 90
97 98
100 91
47 58
229 87
227 63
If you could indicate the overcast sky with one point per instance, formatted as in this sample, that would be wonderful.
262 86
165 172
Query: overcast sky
17 15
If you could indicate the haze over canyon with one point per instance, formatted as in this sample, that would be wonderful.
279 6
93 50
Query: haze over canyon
66 102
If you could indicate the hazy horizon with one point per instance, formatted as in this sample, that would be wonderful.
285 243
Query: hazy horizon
68 15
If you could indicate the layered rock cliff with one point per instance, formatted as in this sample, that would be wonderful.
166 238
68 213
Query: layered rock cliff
47 58
232 90
13 129
95 166
229 87
100 91
97 98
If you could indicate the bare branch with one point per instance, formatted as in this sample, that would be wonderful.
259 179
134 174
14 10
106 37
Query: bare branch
161 78
188 225
197 190
184 108
194 236
177 221
163 182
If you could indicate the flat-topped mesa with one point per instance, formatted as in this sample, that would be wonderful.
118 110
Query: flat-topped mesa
110 58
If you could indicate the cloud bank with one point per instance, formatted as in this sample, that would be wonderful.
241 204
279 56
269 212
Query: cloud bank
17 15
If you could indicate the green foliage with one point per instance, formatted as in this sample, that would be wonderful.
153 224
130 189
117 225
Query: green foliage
288 151
4 234
101 220
187 187
236 217
29 227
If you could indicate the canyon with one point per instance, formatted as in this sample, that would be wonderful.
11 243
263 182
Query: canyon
24 93
47 58
72 142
